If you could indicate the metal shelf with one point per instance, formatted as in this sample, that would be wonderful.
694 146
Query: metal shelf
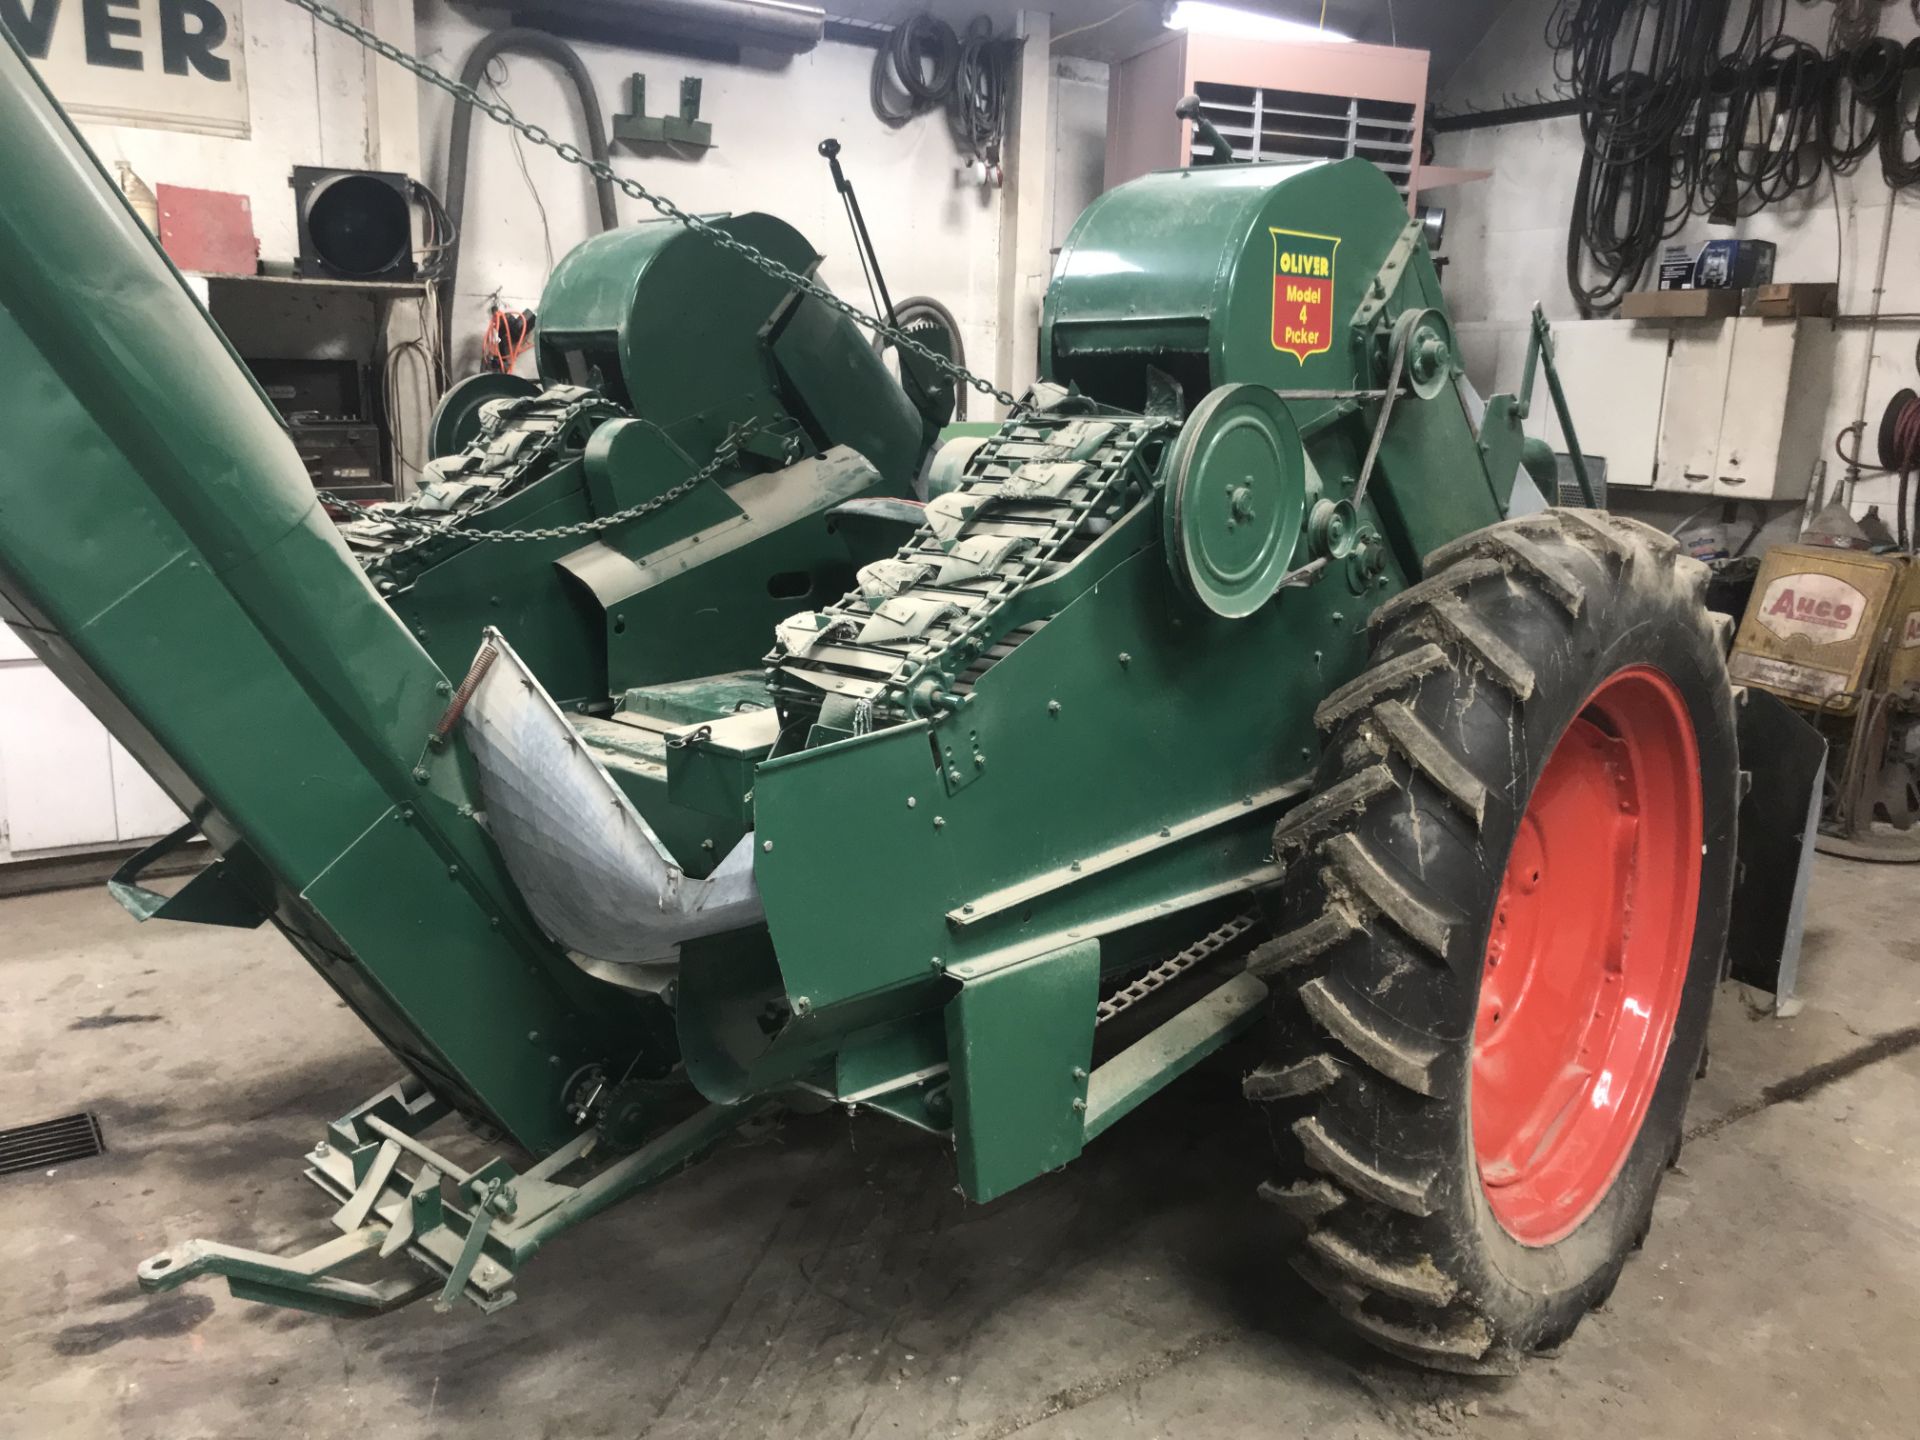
289 284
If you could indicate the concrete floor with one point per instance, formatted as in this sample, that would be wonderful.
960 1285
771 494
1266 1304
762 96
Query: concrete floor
822 1278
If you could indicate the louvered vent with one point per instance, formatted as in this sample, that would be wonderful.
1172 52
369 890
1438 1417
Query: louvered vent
1263 124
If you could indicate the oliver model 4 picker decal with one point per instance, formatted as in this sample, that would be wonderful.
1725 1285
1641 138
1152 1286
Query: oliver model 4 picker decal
1303 292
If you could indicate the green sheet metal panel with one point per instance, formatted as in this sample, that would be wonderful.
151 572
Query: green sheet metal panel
1253 274
1173 731
1020 1046
670 319
1183 263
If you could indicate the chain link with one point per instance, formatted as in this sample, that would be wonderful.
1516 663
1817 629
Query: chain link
1201 950
499 113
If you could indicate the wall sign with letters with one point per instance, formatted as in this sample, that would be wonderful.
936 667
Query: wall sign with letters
169 64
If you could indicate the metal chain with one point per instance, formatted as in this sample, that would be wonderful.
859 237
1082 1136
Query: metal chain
1204 948
728 452
501 114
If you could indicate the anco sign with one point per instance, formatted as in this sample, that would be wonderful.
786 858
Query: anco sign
1818 607
173 64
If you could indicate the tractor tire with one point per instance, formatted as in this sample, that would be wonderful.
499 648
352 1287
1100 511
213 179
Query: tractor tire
1502 927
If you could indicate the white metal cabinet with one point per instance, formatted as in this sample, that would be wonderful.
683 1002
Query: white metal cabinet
65 784
1745 407
1699 361
1615 378
1719 409
58 770
1773 423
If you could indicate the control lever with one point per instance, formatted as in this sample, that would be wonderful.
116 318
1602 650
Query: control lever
1189 109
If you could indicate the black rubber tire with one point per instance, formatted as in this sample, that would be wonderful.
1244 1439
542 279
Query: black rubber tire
1393 866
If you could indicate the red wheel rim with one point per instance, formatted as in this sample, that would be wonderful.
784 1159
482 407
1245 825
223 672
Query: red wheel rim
1587 957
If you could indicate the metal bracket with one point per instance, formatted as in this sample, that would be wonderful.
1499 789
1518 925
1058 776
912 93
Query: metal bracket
470 1230
210 898
686 129
962 761
1387 280
1020 1046
1540 356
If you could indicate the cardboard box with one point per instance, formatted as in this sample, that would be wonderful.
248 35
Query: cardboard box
1734 264
1793 302
1680 304
1676 268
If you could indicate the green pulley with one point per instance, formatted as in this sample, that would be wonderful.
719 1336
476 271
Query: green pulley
1236 492
456 419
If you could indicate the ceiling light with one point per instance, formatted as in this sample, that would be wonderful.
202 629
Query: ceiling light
1206 18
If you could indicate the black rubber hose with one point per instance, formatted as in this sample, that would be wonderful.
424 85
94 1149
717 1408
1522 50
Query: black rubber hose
935 38
526 42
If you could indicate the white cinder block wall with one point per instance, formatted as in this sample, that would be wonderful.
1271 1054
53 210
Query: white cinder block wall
1507 237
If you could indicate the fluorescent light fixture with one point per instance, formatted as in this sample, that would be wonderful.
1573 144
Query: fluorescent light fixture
1206 18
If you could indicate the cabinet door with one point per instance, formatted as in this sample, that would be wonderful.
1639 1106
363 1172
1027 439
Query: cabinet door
1759 373
1697 371
58 777
1615 376
141 809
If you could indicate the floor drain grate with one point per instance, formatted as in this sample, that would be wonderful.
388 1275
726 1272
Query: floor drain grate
51 1142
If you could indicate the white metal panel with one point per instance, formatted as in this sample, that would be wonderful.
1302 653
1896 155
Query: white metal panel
1615 376
58 779
12 647
1697 371
1805 431
1759 372
141 808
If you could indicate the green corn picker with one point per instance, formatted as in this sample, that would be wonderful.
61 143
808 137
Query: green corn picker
704 734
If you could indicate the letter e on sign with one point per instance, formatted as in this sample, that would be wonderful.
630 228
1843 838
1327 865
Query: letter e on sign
152 64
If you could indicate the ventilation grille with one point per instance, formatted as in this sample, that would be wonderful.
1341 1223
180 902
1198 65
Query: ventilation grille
51 1142
1262 124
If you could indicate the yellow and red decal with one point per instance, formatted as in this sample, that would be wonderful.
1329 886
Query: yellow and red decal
1303 274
